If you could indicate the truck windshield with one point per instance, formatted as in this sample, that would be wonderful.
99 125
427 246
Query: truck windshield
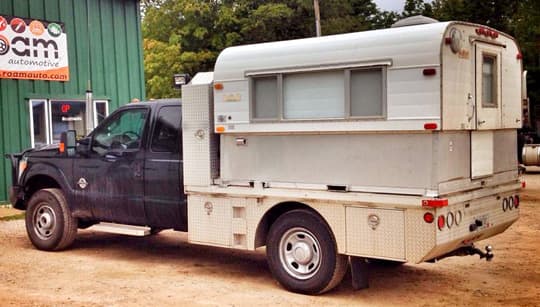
123 131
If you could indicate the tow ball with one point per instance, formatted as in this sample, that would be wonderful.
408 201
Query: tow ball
470 250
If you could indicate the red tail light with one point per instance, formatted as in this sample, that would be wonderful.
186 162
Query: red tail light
430 126
428 217
441 222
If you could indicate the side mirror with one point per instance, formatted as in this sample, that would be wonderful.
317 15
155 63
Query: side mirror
68 142
83 146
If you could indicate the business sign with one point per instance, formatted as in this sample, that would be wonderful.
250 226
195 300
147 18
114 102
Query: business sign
33 49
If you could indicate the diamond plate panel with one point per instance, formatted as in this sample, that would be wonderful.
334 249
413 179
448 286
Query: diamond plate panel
200 143
375 232
420 238
209 220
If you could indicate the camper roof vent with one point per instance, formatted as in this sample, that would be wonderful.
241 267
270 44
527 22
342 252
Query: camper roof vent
413 20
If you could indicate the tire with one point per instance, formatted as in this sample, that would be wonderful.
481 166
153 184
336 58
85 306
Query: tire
49 223
316 267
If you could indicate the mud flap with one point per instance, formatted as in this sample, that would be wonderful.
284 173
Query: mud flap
359 272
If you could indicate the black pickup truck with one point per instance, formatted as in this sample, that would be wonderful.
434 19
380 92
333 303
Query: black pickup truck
127 171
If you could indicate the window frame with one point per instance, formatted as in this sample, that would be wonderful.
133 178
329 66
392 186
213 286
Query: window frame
382 67
94 105
151 136
46 117
114 116
494 82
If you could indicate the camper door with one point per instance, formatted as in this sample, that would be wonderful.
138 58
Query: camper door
488 86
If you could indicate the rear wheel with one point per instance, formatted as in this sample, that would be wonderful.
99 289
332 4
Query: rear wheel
302 253
49 223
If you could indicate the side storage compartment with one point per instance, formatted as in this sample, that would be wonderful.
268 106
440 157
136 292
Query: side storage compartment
219 221
200 143
378 233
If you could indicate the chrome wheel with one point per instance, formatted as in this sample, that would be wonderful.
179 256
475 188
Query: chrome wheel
44 221
300 253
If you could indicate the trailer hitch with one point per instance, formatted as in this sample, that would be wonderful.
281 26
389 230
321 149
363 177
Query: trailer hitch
469 250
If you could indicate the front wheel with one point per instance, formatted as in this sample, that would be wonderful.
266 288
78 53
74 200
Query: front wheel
302 253
49 223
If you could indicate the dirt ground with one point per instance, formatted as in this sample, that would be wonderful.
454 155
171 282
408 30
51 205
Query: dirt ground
164 270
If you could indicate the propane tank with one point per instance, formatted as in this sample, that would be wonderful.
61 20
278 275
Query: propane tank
531 154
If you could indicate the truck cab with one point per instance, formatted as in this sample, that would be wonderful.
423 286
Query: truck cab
128 170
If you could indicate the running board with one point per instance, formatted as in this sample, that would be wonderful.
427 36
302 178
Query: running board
130 230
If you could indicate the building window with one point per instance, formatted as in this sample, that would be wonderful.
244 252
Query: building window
489 81
39 123
366 90
49 118
265 98
101 111
67 115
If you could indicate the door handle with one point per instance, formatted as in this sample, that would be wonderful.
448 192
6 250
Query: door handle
137 169
481 122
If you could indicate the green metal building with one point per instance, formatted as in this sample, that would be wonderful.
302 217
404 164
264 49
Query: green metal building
102 43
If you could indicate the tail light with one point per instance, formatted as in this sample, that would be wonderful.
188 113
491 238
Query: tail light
441 222
428 217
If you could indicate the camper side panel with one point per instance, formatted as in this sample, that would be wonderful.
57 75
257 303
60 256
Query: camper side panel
363 162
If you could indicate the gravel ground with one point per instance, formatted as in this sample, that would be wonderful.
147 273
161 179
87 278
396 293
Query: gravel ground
105 269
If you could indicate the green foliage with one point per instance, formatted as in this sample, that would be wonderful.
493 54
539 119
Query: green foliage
187 35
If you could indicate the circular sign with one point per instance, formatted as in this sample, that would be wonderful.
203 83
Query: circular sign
18 25
54 29
36 27
4 45
3 23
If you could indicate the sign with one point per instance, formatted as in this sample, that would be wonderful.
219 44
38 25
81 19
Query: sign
33 49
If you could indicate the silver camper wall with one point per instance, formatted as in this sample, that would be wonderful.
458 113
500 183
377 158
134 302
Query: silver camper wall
419 110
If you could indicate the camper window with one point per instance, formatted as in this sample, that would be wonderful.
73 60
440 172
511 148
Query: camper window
366 90
489 81
314 95
265 96
351 93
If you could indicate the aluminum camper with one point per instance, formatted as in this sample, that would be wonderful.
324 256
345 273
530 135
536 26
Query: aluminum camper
395 144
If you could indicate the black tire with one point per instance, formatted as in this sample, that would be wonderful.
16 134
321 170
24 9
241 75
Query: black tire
49 223
316 267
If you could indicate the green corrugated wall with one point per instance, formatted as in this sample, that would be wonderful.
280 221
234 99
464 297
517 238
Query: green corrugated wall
104 46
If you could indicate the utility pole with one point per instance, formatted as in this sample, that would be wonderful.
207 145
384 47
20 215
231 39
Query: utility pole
317 17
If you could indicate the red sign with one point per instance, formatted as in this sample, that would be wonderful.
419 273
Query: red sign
65 108
3 23
18 25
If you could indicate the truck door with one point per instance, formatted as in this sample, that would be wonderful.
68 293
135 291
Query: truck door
487 80
110 178
164 199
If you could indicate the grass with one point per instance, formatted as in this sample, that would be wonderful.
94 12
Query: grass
13 217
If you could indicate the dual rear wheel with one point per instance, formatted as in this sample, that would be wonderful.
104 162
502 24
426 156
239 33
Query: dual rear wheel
302 253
